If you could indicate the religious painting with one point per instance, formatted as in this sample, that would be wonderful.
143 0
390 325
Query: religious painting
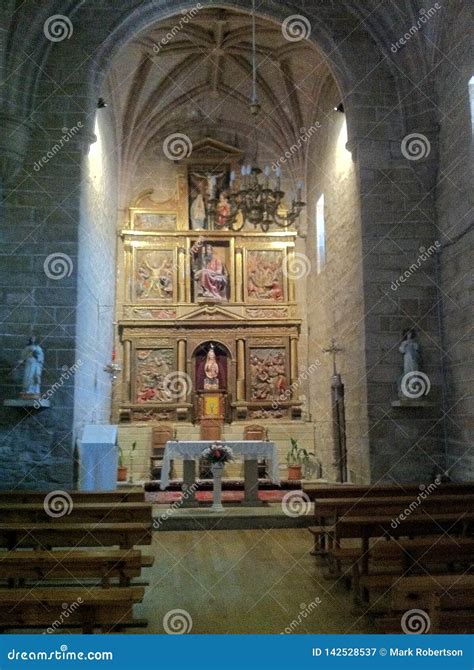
210 271
207 184
265 279
268 376
154 275
152 370
155 221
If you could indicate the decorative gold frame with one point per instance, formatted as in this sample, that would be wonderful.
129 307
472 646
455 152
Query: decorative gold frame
284 249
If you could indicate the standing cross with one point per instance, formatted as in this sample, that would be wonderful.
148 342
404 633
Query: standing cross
334 350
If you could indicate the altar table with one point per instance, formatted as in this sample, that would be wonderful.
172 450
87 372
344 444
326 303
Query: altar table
250 450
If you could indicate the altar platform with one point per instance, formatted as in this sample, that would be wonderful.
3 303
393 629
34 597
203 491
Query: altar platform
268 515
169 514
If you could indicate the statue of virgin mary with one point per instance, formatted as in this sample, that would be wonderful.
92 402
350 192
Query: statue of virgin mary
211 369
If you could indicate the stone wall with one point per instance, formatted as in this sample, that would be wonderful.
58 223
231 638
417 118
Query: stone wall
335 306
454 204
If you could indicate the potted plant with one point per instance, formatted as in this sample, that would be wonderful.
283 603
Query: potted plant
122 472
296 458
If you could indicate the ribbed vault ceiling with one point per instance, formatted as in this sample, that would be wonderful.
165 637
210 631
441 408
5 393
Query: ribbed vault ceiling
199 82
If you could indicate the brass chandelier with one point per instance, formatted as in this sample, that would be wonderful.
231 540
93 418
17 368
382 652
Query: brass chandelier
251 198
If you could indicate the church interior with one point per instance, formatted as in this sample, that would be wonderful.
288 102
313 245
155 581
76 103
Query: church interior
236 281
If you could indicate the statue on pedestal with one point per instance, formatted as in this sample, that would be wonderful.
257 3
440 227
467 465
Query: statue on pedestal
414 383
32 358
211 369
411 350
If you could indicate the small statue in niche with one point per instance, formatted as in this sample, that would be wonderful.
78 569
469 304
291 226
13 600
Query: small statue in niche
211 369
414 383
32 358
411 350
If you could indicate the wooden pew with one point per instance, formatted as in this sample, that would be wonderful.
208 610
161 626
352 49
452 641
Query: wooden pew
41 567
106 609
49 535
424 523
328 511
136 494
88 512
448 601
388 561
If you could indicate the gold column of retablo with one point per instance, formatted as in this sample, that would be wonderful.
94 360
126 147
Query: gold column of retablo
291 281
126 370
240 370
239 277
294 360
181 275
182 366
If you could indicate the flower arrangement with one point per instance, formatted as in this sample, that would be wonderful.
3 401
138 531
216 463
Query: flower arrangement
218 453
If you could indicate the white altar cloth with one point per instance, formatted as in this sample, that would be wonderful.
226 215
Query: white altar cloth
248 449
98 458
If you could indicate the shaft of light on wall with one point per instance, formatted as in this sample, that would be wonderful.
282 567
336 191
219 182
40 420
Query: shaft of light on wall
343 156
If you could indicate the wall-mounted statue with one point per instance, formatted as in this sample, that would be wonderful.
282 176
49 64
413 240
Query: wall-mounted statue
411 350
32 360
414 383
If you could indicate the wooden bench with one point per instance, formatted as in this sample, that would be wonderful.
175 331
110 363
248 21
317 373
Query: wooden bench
424 523
88 512
21 566
135 494
49 535
106 609
328 511
448 601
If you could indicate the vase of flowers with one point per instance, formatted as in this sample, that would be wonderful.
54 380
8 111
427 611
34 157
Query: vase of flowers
218 454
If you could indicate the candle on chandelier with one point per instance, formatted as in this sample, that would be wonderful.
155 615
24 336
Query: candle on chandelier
278 176
299 190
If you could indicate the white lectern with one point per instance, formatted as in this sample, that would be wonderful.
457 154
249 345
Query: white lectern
98 458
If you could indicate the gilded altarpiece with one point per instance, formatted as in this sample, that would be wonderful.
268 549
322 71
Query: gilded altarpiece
184 287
